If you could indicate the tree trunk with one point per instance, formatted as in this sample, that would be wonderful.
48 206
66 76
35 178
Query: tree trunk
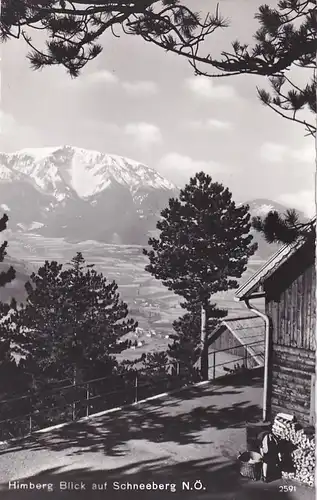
204 365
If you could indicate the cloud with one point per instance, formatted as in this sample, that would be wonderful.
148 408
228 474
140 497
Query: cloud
96 78
7 123
16 135
137 88
88 82
205 88
218 124
144 134
210 124
302 200
140 88
278 153
306 154
273 153
102 76
179 168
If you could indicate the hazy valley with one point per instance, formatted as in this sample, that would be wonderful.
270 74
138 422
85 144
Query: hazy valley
53 214
151 304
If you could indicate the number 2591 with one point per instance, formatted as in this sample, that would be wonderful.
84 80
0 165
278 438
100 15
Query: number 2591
286 488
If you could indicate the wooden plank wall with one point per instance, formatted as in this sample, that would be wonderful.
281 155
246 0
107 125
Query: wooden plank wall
293 313
291 306
291 374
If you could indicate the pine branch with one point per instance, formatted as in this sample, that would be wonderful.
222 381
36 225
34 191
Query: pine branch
283 228
286 37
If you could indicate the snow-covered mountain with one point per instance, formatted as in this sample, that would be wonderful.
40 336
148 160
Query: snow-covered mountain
57 171
81 194
261 207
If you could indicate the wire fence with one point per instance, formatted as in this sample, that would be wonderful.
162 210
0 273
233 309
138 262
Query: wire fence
23 415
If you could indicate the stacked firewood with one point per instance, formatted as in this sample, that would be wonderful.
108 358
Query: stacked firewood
303 456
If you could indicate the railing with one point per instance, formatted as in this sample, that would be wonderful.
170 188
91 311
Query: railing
23 415
245 359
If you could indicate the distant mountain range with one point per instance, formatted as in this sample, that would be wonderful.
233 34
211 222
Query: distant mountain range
76 194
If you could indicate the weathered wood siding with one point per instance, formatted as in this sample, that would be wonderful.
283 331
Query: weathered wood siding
225 340
291 375
291 306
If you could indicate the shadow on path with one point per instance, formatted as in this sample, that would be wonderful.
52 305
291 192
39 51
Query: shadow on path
178 418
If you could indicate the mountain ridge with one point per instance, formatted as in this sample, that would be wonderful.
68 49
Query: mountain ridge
86 172
78 194
74 193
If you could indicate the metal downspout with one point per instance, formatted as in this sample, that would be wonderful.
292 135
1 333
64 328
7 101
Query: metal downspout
266 354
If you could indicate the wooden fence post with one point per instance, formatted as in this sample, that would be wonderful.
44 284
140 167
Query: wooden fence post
178 374
30 418
136 387
87 400
246 358
74 402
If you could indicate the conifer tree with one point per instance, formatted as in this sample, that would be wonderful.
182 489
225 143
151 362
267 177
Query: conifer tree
9 275
72 321
186 340
203 247
156 363
9 373
5 278
155 374
186 348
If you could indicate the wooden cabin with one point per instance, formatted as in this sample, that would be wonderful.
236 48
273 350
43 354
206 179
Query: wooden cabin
236 340
288 283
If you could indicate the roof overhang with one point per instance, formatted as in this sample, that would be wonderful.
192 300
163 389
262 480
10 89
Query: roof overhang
250 289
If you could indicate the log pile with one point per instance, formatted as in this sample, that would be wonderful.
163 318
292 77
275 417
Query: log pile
303 455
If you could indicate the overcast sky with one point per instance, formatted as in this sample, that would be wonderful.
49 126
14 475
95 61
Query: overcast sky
137 101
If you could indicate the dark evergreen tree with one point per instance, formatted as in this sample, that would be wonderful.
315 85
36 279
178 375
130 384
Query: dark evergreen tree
186 348
9 275
71 323
12 385
154 376
11 376
286 37
7 362
203 247
156 362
